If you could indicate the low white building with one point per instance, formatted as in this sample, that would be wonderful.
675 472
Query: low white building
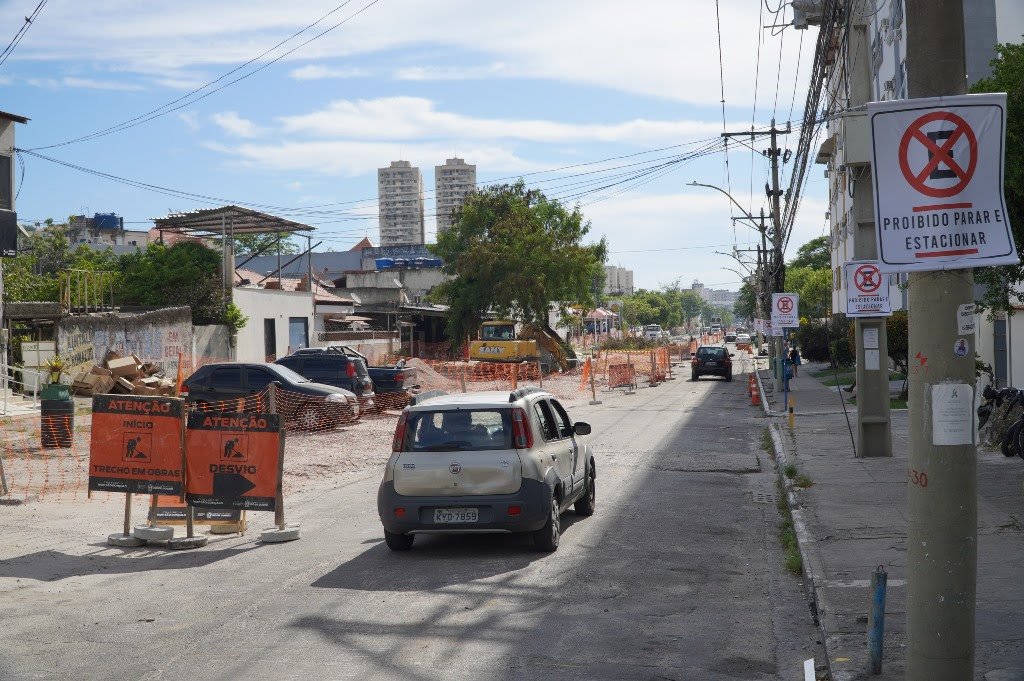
279 322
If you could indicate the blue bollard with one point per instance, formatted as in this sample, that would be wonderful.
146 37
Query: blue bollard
876 620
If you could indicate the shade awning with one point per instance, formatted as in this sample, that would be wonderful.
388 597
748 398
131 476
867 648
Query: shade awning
229 219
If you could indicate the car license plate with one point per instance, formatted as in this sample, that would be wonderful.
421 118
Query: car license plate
712 364
456 515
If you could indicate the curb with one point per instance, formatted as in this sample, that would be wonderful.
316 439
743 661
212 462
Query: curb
813 572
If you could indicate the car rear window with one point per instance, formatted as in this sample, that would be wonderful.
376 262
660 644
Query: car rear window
459 430
711 352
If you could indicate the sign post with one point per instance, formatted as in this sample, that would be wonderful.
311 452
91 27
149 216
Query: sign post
867 302
785 314
136 449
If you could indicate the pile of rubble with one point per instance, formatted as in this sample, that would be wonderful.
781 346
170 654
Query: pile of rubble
124 376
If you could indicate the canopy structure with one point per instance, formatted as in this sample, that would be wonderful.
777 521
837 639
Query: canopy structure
225 223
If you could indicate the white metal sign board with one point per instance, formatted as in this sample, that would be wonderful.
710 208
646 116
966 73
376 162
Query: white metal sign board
785 310
938 166
867 290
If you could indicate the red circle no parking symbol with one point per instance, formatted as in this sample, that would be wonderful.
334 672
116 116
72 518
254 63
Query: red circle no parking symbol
785 305
867 278
940 164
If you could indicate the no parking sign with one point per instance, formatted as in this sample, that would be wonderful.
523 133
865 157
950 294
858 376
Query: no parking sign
867 290
938 165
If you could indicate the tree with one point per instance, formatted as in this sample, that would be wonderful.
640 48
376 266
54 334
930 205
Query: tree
745 306
264 244
691 304
187 273
1005 282
514 251
814 286
814 254
896 331
637 312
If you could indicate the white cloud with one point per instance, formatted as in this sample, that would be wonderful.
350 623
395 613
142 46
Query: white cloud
351 159
427 73
189 118
414 118
662 49
235 125
318 72
87 83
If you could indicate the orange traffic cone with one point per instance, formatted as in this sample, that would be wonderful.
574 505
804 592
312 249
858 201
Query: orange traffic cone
755 396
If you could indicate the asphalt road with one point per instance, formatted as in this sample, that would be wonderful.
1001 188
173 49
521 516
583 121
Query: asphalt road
679 575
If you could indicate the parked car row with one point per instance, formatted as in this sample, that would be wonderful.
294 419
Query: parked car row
327 386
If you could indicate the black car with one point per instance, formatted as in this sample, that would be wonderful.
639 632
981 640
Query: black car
310 405
711 359
333 368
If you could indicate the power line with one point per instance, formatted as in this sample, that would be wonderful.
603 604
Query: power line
721 83
16 40
188 99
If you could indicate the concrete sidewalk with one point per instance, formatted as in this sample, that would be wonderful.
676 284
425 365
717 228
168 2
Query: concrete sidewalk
853 518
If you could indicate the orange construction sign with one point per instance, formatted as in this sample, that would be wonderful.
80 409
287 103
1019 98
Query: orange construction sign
233 460
136 444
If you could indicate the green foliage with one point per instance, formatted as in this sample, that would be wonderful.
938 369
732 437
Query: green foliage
187 273
710 311
35 274
814 286
898 338
814 254
813 340
234 319
654 307
745 306
1003 284
691 304
514 251
248 244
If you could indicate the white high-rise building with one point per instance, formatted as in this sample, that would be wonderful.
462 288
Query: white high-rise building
453 182
400 195
618 281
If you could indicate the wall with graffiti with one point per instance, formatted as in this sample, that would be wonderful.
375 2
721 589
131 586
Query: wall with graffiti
158 337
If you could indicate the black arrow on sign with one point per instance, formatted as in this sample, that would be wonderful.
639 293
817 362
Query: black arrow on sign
230 486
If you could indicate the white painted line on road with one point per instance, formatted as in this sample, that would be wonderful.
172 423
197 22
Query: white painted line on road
809 670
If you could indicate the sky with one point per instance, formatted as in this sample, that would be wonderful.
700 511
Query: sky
612 106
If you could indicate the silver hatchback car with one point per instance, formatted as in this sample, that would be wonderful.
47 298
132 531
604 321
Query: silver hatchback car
486 462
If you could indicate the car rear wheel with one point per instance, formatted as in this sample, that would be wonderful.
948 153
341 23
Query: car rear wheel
398 542
728 377
547 537
694 375
586 504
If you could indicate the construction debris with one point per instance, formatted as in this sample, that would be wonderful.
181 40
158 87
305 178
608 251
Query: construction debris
123 375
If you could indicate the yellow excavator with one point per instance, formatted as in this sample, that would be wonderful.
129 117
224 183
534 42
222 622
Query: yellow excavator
499 342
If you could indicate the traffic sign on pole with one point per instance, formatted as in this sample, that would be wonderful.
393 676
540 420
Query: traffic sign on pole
867 290
785 310
938 173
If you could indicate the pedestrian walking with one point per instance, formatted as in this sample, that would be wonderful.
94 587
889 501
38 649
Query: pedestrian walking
794 358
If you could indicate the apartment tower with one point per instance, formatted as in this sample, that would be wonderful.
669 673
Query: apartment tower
400 195
453 182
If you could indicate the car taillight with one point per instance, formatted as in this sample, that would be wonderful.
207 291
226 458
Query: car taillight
184 390
521 429
695 360
399 377
350 370
399 441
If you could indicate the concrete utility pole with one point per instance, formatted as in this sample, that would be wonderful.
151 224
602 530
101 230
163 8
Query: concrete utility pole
776 268
874 431
942 522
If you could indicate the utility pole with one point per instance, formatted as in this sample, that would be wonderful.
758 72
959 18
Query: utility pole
874 431
776 268
942 516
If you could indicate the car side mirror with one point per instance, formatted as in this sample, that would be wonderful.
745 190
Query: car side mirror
581 428
732 354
